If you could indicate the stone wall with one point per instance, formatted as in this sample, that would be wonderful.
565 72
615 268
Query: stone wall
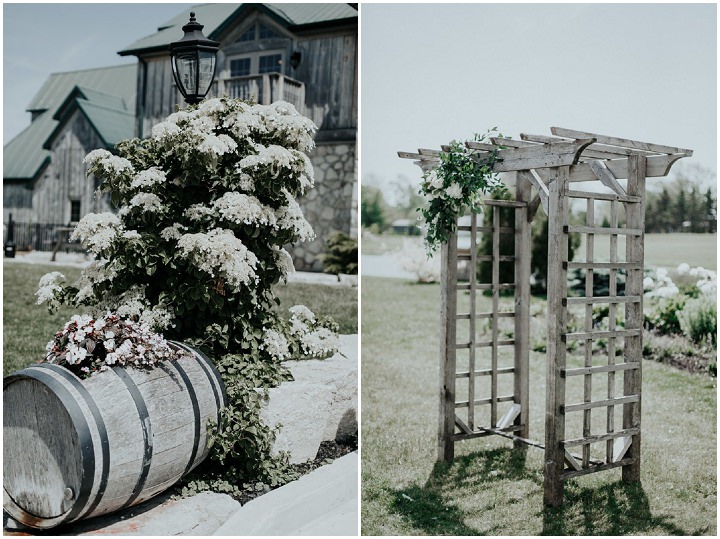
331 206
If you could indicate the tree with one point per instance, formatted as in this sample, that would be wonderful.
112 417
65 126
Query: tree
372 208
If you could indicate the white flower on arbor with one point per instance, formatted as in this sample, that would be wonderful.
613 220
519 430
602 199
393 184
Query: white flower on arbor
454 191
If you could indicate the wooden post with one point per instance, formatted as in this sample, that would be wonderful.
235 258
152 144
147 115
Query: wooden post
634 252
556 348
448 342
522 305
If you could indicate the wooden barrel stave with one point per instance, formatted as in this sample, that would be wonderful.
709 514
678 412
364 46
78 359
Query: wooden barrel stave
137 432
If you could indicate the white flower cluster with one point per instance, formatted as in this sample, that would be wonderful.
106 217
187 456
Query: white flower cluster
173 232
706 279
87 345
277 158
279 120
97 231
147 202
48 286
149 178
315 340
275 344
290 217
662 286
284 261
239 208
282 120
99 271
110 163
133 304
219 252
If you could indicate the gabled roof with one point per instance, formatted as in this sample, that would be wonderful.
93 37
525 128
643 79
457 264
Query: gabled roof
105 112
24 156
216 17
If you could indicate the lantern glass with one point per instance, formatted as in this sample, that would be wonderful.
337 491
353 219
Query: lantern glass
186 65
207 71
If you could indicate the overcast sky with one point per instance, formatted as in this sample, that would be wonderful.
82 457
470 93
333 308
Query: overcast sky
41 39
436 72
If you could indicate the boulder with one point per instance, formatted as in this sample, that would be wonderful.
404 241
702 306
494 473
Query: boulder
320 404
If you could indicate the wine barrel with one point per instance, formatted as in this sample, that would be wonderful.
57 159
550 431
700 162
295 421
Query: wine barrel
74 449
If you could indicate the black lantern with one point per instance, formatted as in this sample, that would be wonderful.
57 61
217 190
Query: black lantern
193 62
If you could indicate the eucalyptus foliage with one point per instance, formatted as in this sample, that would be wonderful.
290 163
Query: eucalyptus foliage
457 185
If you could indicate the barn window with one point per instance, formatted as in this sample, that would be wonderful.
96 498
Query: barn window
258 31
239 67
270 63
255 63
266 33
74 211
248 35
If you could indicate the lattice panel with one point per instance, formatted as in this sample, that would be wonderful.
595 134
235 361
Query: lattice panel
587 397
489 364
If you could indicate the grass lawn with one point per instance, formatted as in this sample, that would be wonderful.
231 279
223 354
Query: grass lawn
28 327
491 489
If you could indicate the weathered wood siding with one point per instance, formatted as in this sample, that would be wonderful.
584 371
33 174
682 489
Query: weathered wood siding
329 71
66 177
157 95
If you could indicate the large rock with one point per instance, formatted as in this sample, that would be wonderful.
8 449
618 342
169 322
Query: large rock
323 502
319 405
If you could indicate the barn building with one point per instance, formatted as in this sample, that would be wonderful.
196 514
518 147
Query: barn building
305 54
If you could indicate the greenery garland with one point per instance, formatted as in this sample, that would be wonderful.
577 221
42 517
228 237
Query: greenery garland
456 185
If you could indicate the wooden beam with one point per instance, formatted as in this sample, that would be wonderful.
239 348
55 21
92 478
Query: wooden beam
623 143
657 166
606 177
535 180
598 151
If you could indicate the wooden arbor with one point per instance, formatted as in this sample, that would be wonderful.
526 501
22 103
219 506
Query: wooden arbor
481 393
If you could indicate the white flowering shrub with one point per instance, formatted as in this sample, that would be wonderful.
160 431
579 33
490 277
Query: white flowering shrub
457 185
206 205
688 309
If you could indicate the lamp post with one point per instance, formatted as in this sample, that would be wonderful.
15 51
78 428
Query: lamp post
193 61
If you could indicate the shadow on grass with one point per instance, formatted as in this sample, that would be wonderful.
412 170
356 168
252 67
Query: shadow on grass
611 509
427 508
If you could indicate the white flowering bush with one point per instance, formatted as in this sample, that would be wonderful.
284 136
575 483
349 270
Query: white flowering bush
457 185
87 345
206 206
688 309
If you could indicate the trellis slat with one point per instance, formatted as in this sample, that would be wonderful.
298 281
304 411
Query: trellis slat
581 335
600 437
603 196
605 230
485 372
598 369
568 408
594 469
602 299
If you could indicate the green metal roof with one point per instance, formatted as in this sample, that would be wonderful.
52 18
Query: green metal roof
214 18
109 87
112 125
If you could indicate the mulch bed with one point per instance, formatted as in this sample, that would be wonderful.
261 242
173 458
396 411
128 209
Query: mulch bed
327 453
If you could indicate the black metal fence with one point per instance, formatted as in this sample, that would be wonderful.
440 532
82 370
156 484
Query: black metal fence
37 236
